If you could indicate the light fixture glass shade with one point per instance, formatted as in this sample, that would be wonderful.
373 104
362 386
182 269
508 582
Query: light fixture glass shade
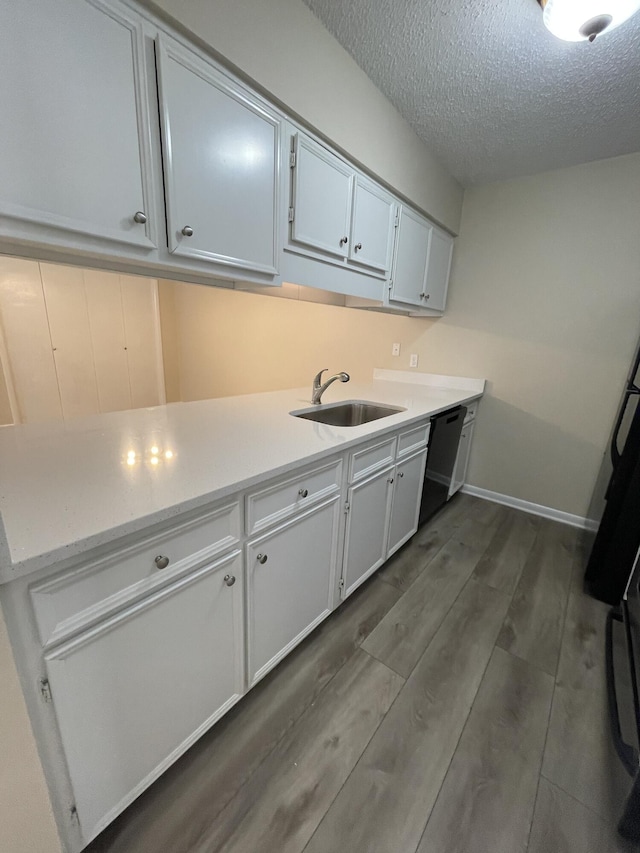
577 20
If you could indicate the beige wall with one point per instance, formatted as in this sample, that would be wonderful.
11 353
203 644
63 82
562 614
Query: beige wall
5 406
544 302
285 49
229 342
26 820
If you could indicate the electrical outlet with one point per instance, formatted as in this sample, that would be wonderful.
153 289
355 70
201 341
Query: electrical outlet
413 359
395 349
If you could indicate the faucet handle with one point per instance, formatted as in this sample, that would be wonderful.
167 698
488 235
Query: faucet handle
318 378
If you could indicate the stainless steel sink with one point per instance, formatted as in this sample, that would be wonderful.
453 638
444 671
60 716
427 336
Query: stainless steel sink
353 413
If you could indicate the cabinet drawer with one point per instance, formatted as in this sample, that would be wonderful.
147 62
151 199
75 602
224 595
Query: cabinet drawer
369 459
413 439
472 408
87 592
286 498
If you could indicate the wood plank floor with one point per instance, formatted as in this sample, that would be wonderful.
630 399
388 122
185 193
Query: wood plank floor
454 704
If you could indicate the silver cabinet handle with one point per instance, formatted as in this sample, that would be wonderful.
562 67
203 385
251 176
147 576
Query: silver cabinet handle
357 246
401 474
390 480
262 559
344 241
187 231
427 295
161 562
140 217
229 580
303 493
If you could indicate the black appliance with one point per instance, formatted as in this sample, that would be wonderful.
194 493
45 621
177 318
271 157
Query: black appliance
629 614
444 439
618 537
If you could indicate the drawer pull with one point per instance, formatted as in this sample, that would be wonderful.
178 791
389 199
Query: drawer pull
262 559
390 480
161 562
401 474
229 580
303 493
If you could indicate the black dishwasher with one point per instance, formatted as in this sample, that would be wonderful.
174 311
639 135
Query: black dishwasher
444 439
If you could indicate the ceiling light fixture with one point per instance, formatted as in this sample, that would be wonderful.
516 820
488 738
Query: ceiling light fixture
583 20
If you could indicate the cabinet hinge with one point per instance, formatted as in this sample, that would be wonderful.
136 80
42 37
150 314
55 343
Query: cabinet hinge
397 219
347 507
390 285
291 214
341 583
45 689
292 159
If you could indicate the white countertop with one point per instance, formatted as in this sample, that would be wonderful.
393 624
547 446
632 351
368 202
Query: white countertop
68 487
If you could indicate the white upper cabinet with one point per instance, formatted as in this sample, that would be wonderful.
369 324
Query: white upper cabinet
438 269
372 226
321 203
221 164
411 255
75 149
336 213
421 263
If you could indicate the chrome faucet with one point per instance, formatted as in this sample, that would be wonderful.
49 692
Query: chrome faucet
319 389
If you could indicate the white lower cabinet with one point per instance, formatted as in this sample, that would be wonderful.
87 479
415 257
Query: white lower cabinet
365 547
132 693
142 649
290 584
462 459
407 491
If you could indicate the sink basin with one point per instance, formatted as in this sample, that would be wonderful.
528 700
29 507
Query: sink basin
353 413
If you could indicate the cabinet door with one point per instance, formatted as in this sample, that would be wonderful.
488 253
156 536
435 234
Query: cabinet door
132 694
322 192
75 147
68 317
373 226
462 458
365 547
438 268
291 578
410 262
221 163
407 492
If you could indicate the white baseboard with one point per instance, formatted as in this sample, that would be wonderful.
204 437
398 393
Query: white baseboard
534 509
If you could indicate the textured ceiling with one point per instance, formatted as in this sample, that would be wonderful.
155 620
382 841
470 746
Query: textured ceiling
491 92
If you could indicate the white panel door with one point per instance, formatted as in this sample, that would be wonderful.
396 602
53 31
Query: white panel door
26 331
75 142
373 226
66 301
407 493
142 336
132 694
438 268
322 194
365 547
290 578
106 323
411 254
221 162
